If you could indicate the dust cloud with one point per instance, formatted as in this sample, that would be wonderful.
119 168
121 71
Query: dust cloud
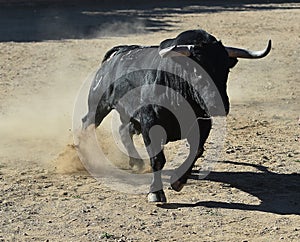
34 128
118 28
36 123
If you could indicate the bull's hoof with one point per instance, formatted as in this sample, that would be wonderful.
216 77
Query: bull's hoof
158 196
177 186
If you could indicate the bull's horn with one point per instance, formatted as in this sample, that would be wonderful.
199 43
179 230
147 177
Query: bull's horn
176 50
241 53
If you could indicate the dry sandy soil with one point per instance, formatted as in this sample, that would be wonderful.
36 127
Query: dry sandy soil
46 53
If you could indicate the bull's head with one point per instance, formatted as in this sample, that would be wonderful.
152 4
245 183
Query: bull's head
215 58
186 41
233 52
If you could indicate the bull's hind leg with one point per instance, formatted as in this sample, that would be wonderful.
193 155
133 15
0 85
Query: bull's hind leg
126 132
180 175
153 142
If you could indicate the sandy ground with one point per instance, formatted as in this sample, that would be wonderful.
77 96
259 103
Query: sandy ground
253 192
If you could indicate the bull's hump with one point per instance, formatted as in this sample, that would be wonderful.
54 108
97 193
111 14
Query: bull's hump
124 49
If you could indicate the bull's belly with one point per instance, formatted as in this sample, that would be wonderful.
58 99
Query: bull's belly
167 121
175 128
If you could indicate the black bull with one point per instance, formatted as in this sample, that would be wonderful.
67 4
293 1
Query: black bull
177 86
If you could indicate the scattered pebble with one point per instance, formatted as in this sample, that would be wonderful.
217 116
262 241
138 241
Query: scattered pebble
173 215
230 151
265 157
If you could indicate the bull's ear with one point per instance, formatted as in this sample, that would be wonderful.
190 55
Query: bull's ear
232 62
176 50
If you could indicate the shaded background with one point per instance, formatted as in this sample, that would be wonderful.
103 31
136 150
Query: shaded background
40 20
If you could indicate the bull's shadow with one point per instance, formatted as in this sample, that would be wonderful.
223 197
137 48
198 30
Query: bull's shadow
279 193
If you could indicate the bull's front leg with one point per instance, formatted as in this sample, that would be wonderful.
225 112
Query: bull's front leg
156 193
180 175
153 142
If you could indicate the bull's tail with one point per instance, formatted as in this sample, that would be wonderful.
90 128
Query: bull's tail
95 118
85 122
